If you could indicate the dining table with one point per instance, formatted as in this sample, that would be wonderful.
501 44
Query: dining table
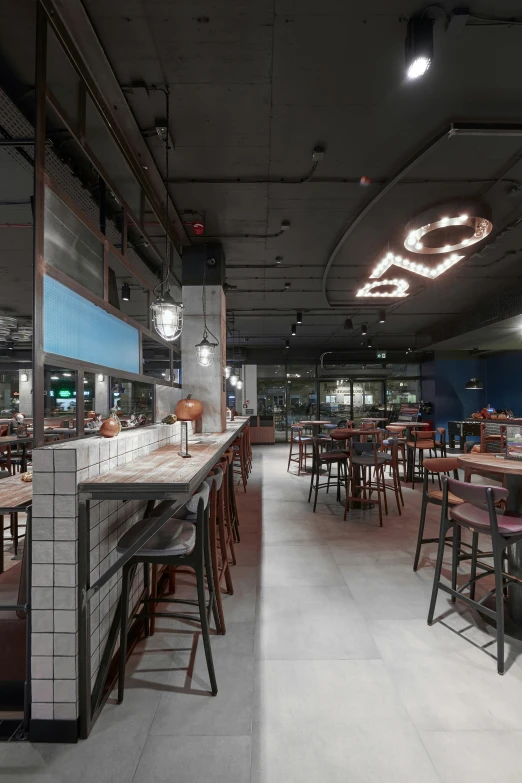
315 425
15 496
11 440
509 472
344 435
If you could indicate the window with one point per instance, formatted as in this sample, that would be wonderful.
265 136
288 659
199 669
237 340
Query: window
70 247
60 390
132 398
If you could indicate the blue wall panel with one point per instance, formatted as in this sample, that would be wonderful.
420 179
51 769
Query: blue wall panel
78 329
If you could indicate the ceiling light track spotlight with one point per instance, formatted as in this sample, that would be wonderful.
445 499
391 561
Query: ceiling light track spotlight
419 46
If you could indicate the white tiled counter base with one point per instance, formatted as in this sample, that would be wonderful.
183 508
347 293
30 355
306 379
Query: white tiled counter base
57 471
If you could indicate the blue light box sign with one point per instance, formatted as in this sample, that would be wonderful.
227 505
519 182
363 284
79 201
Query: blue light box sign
78 329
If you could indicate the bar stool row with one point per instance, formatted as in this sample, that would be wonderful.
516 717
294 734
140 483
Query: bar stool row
202 536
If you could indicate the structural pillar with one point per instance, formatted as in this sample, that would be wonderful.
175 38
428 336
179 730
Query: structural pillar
207 384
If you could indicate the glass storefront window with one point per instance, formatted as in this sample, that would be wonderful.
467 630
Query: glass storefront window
132 398
367 399
402 391
9 394
335 400
60 402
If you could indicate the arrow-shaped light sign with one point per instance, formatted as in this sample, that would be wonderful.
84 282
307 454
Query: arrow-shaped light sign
418 268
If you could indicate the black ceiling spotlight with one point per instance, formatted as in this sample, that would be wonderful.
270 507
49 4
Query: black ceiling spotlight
287 344
419 47
364 329
294 330
382 316
299 317
475 384
125 292
369 342
348 325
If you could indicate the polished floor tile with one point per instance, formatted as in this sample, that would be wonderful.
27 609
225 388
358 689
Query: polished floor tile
322 623
478 756
195 759
328 672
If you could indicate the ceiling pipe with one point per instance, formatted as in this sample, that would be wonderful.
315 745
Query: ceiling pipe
453 129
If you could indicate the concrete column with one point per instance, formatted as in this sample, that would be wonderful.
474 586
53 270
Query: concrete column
25 392
206 384
250 387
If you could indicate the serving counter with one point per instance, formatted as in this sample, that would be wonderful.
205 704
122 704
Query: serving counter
87 494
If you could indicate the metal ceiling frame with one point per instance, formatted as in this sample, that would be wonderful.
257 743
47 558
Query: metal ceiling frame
73 28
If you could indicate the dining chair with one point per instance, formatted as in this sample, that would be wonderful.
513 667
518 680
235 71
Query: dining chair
302 442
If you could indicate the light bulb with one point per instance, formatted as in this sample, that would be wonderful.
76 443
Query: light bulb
418 67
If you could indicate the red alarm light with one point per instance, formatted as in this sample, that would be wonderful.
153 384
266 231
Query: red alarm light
198 227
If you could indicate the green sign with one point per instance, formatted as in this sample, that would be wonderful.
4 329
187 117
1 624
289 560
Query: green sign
381 354
64 393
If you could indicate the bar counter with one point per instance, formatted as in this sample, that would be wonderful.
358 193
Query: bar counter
86 495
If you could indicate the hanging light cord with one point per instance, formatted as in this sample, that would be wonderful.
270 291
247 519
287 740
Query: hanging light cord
164 282
204 298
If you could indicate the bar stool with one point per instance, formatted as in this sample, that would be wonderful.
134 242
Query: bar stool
477 513
434 465
441 442
396 432
240 458
220 541
365 456
326 459
178 543
296 437
230 496
421 441
391 459
248 449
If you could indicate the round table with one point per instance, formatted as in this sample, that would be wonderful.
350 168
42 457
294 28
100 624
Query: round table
356 435
511 472
315 425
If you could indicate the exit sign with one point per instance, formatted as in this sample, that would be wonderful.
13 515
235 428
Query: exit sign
381 354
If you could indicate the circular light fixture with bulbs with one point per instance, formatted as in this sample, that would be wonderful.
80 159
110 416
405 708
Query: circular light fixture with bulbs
473 219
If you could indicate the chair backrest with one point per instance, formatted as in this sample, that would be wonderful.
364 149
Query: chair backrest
202 493
440 464
296 431
419 435
476 494
4 430
363 448
367 425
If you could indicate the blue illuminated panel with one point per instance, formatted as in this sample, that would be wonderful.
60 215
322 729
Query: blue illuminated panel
78 329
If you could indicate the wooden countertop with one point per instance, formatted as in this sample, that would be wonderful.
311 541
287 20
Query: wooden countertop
491 463
14 492
162 473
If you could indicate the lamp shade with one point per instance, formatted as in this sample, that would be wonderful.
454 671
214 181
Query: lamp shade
233 378
205 352
474 384
168 317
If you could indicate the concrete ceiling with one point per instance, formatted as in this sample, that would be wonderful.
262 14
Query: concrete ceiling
256 85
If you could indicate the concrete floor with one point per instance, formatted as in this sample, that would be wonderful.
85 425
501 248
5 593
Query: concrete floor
328 672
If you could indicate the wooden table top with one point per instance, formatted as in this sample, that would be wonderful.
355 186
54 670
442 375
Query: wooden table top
491 463
14 492
345 434
10 439
314 422
163 472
